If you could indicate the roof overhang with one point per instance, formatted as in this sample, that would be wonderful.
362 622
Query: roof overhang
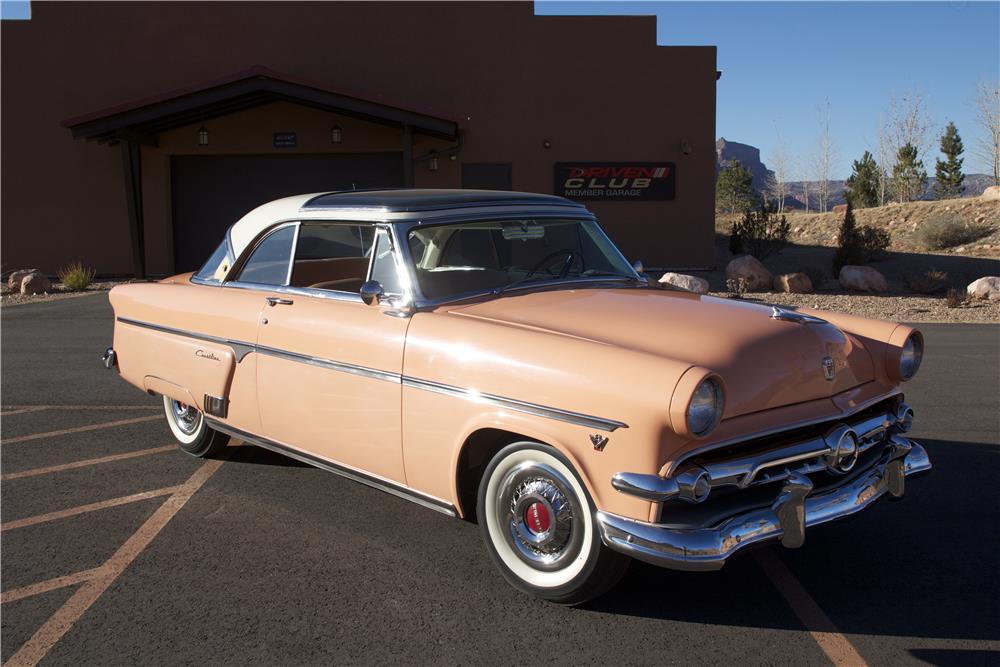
142 120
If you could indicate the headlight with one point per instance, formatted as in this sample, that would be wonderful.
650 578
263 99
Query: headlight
911 356
705 409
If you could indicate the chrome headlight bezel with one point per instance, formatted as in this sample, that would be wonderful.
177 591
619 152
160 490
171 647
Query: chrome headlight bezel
911 355
704 409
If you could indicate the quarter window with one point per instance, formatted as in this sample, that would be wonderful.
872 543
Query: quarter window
384 265
332 256
268 265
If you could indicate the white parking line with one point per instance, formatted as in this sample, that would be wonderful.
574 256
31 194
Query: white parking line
83 509
835 645
86 462
78 429
93 587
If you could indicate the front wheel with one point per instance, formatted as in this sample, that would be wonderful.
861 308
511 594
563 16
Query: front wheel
538 524
193 435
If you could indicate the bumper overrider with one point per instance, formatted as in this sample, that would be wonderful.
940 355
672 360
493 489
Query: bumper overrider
872 456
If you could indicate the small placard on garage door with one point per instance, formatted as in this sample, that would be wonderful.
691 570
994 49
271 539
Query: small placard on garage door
286 140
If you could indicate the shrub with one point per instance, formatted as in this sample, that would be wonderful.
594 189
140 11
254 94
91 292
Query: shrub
737 287
76 277
956 298
948 231
930 281
759 233
874 241
858 244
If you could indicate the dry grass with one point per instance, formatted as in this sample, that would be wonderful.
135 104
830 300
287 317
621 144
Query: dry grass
903 221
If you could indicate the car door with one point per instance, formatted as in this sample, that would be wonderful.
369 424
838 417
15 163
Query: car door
328 364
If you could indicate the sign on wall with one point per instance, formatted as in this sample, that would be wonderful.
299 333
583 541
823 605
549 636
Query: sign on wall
285 140
615 181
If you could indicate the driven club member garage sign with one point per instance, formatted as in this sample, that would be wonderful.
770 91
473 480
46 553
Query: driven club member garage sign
618 181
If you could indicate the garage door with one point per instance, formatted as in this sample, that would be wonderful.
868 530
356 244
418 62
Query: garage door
211 192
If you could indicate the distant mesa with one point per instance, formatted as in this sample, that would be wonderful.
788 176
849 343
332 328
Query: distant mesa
726 152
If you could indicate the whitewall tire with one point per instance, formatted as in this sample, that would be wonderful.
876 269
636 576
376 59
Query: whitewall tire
537 521
188 425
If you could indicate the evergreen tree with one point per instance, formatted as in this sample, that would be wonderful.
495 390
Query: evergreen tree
734 188
862 185
949 171
909 178
849 245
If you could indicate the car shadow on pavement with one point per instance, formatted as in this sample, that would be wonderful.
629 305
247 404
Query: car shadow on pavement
247 453
921 567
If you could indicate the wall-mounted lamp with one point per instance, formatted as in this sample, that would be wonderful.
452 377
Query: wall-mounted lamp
203 136
336 135
432 164
546 143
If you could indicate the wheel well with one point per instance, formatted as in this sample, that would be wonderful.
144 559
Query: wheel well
477 452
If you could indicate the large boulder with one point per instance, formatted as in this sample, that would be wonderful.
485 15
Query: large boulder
992 192
15 278
793 283
750 269
987 287
35 283
685 282
862 279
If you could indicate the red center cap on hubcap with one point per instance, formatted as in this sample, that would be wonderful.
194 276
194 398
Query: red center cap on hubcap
537 518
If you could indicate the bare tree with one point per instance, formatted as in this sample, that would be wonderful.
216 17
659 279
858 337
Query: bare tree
777 182
884 157
824 157
908 123
988 117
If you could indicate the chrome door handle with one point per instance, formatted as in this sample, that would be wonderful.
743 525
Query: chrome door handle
277 300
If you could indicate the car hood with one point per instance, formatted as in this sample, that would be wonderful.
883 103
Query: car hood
764 362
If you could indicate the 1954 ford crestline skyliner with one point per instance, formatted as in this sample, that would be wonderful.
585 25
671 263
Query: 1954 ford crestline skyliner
492 355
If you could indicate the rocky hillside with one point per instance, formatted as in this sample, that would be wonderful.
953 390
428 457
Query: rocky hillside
903 222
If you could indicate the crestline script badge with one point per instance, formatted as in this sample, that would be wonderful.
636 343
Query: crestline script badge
615 181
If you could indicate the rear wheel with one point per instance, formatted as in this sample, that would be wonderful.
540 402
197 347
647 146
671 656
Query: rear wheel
538 524
188 425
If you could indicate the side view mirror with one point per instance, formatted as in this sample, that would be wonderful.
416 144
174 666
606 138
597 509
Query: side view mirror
637 265
371 292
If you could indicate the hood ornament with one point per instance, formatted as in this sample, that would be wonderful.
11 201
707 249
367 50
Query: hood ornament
792 316
829 369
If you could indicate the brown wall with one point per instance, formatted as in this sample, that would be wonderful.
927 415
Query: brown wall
596 87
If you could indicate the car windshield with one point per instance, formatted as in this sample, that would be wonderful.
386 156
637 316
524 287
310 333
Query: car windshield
462 258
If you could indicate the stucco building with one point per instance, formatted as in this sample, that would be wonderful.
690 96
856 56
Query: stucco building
135 133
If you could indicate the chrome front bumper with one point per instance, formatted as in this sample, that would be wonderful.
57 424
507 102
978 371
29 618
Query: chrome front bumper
786 519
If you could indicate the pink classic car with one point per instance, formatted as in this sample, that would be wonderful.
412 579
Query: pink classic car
492 355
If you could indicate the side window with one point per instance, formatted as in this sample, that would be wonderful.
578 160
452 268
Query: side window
332 256
268 265
384 265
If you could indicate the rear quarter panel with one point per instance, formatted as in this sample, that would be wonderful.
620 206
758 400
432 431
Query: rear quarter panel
182 367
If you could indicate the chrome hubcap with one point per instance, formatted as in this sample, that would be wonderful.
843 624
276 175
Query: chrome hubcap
538 509
186 417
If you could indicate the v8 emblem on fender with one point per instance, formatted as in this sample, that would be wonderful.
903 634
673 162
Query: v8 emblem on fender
598 441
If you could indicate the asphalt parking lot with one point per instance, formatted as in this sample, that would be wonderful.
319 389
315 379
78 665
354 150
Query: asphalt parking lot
119 549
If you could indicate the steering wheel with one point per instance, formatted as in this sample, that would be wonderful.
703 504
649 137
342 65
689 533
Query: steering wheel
545 261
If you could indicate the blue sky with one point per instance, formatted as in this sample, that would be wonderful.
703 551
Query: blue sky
781 61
